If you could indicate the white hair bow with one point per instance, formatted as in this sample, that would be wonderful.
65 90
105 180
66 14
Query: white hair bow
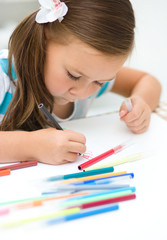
50 11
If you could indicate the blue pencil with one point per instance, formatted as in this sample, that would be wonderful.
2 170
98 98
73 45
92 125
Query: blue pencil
131 175
83 214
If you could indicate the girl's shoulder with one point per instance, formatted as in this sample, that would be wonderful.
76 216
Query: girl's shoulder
4 53
4 63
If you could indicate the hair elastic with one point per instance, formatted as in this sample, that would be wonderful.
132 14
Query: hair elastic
50 11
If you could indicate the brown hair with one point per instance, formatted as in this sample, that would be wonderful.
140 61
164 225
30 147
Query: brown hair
106 25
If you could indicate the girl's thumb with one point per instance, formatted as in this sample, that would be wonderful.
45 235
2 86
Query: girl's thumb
122 113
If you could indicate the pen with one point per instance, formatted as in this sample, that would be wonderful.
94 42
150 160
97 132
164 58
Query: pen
49 116
20 165
102 156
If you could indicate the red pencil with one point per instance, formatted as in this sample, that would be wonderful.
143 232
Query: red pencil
107 201
101 157
20 165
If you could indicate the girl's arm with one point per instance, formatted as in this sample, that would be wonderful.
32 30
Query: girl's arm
47 145
130 82
144 91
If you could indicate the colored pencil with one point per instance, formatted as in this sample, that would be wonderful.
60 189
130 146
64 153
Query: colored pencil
83 214
92 177
102 156
86 187
36 203
110 178
20 165
30 200
128 104
74 202
64 212
81 174
49 116
96 194
106 201
4 172
131 158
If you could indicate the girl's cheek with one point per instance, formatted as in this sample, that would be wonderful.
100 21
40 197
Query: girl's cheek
57 86
92 90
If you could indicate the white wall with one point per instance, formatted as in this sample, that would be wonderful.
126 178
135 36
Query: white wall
150 52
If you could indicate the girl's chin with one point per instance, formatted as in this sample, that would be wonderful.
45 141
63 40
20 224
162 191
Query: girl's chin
61 101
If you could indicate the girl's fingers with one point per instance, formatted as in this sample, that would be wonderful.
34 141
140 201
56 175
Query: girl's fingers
132 116
71 157
140 128
137 122
76 137
75 147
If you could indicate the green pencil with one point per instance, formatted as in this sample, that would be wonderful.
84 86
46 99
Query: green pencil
72 203
81 174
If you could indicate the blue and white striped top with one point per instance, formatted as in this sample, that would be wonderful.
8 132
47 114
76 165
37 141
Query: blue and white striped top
7 90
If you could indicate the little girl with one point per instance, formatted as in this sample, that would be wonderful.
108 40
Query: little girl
64 56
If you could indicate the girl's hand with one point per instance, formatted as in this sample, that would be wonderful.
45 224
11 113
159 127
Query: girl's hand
55 147
139 118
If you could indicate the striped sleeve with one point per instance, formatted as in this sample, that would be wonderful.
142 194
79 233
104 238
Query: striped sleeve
105 88
7 87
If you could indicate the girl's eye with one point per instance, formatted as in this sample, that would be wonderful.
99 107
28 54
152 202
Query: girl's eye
73 77
99 84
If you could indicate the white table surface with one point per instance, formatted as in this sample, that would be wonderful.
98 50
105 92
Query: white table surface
142 218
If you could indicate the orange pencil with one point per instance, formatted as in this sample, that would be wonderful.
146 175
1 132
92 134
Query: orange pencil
4 172
40 201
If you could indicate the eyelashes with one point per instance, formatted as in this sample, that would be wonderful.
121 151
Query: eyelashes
99 84
73 77
77 78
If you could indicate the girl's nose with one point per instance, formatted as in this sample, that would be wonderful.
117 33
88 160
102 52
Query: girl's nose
79 90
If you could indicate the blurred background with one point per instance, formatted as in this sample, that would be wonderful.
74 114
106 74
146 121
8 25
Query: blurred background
149 54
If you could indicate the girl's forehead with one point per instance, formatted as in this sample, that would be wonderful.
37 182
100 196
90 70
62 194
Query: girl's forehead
80 50
79 56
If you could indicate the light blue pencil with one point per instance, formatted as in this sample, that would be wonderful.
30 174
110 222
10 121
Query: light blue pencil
69 187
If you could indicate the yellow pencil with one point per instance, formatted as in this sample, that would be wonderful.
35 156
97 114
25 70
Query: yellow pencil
131 158
92 177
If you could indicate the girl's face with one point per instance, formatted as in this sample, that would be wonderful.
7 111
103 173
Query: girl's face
75 71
